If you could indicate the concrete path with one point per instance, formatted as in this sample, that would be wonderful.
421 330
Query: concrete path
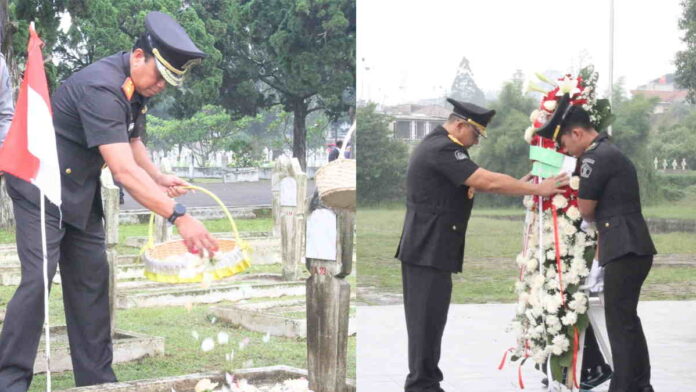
475 339
236 194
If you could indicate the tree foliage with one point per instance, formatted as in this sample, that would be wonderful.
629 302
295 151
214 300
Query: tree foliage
208 131
383 160
505 150
685 60
631 133
296 53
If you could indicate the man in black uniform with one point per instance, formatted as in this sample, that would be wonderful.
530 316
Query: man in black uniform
98 115
440 184
609 196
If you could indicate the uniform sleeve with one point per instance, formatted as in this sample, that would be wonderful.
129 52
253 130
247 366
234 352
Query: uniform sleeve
453 162
595 171
6 100
103 117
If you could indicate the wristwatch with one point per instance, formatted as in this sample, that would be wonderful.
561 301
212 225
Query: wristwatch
179 210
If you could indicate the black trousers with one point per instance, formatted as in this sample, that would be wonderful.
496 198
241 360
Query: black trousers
84 273
623 279
427 294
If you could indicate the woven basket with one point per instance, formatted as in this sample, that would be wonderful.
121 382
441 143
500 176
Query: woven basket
336 180
160 266
336 183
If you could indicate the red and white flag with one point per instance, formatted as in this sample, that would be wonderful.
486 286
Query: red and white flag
29 151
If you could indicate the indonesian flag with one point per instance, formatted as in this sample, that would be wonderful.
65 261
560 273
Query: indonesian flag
29 151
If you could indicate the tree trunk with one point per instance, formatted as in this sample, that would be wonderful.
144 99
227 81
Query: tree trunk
299 134
7 30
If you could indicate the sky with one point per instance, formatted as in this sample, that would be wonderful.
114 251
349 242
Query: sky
410 49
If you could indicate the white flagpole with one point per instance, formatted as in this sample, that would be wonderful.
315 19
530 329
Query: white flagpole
611 57
46 283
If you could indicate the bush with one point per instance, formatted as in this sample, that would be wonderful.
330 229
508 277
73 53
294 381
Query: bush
383 160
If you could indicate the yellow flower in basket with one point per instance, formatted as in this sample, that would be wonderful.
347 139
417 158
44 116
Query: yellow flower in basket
171 262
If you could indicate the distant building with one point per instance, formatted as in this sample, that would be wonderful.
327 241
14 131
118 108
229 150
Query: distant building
665 89
412 122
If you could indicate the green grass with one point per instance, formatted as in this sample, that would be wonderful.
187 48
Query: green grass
489 271
182 352
263 224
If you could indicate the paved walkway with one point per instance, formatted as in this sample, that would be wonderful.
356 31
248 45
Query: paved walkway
238 194
475 339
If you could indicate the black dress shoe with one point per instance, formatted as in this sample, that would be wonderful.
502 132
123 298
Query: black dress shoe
597 377
647 389
545 382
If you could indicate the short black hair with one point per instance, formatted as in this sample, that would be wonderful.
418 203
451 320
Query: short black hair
576 117
339 143
143 43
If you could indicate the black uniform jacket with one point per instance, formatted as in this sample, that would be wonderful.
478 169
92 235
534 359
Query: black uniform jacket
90 108
438 203
609 177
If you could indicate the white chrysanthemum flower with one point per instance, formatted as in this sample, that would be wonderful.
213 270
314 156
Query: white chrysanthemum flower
534 115
552 303
560 344
208 344
521 260
550 106
520 286
195 335
537 282
539 357
570 318
573 213
532 264
528 202
559 201
551 254
568 85
550 273
552 320
574 183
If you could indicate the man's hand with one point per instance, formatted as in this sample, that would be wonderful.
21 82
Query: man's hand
172 185
196 236
553 185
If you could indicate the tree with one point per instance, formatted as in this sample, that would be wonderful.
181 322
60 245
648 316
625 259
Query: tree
631 132
686 59
101 28
464 87
505 150
382 169
297 53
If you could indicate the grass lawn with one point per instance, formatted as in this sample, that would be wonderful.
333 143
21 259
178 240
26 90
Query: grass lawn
182 352
175 324
491 245
213 225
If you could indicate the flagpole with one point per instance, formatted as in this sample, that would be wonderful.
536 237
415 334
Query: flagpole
611 58
46 283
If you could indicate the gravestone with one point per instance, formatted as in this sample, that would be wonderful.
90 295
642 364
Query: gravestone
163 230
329 258
289 187
110 200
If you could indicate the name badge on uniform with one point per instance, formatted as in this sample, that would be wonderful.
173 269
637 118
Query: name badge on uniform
130 127
459 155
586 168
